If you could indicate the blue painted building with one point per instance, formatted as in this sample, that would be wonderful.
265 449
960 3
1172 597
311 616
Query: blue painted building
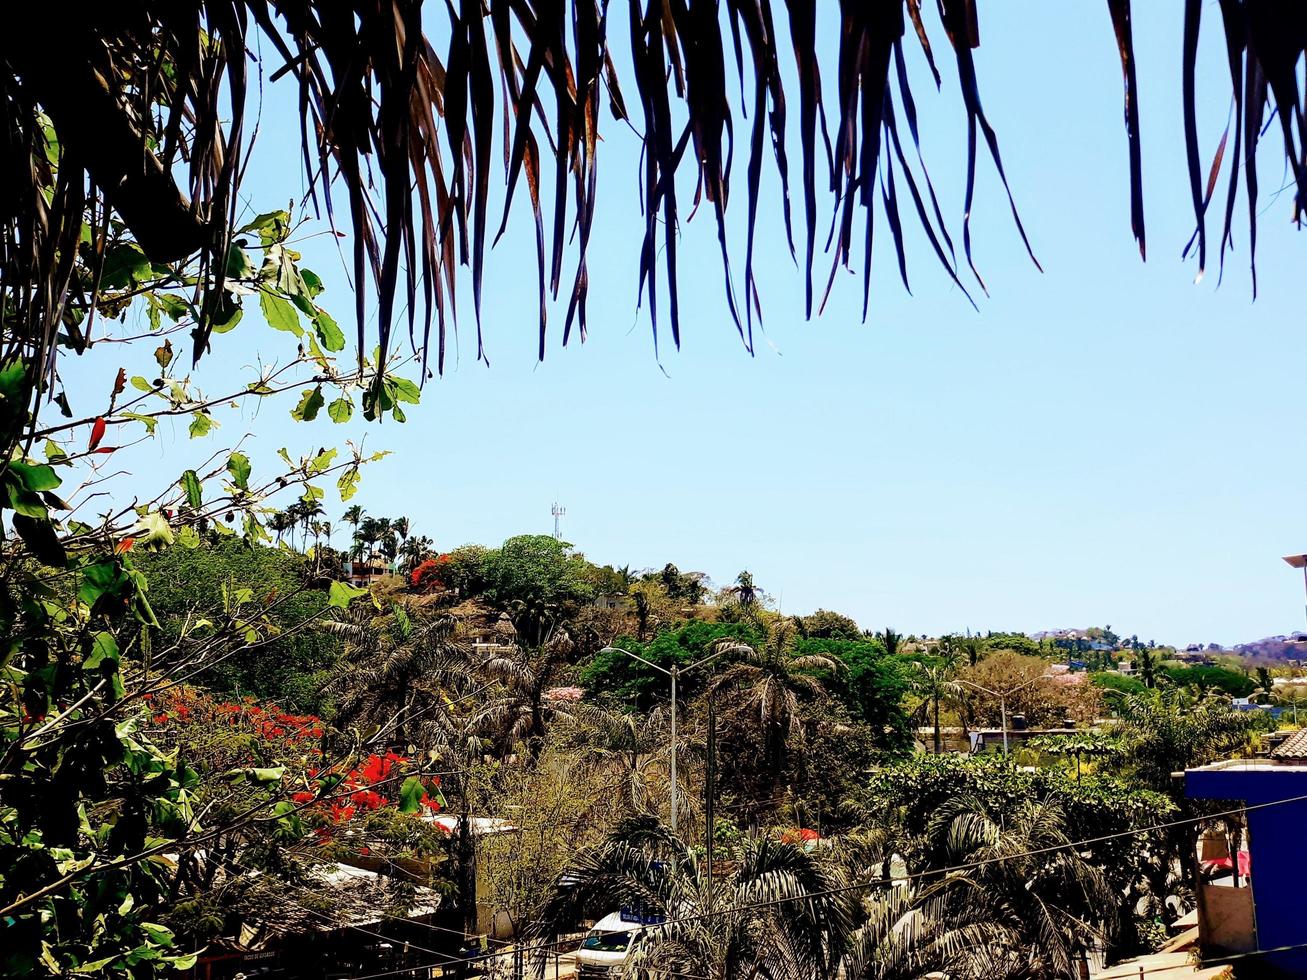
1269 911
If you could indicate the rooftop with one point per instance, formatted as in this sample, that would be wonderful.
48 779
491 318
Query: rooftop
1293 748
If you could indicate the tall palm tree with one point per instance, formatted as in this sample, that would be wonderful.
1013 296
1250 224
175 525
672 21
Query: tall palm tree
398 666
400 525
768 681
353 516
368 533
794 919
934 683
307 511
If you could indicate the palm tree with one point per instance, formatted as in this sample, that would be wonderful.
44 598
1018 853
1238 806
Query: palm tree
1147 667
397 668
1016 869
368 534
768 681
746 594
934 683
890 640
633 745
521 710
307 511
400 525
415 550
279 522
353 516
906 935
794 918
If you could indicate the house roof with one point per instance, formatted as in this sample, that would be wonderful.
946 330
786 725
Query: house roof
1293 748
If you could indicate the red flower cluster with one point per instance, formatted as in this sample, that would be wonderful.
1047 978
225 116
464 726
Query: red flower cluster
426 575
371 785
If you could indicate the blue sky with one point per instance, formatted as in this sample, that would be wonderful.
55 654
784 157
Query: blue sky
1105 442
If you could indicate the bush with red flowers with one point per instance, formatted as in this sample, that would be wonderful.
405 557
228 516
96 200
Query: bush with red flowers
427 575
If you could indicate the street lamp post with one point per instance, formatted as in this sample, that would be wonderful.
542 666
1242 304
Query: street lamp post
1002 700
674 674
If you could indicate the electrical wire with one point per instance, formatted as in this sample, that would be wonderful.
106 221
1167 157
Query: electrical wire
935 873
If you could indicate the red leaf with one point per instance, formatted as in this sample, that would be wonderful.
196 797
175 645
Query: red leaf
97 433
125 545
106 450
120 382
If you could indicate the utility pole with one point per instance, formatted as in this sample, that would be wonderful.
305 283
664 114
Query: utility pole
709 792
558 512
674 674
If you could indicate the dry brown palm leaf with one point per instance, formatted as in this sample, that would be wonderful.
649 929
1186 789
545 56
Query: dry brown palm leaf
137 112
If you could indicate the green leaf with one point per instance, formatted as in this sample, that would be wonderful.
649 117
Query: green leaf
159 935
103 648
140 384
328 332
124 265
41 541
310 404
239 265
35 476
238 465
201 425
410 795
224 311
341 594
54 452
24 501
174 306
405 390
311 282
190 482
321 462
341 410
145 420
153 532
348 483
271 226
188 537
279 313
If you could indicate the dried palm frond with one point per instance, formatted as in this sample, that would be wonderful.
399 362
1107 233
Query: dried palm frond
137 113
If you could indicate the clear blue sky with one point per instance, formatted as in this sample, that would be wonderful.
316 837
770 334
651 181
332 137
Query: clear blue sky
1102 443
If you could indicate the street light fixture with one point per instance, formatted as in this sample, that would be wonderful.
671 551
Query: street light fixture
1002 699
676 671
1298 561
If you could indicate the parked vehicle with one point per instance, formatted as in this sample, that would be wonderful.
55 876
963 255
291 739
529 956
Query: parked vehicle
604 950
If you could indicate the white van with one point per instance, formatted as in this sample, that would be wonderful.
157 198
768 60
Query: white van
603 952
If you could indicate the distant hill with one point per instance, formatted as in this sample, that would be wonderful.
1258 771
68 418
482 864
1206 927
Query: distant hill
1292 647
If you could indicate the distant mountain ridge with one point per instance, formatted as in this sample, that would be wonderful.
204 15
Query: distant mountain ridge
1291 647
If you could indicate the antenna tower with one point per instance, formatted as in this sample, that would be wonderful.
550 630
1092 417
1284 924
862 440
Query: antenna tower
558 512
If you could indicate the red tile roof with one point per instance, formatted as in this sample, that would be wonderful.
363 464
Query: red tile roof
1293 748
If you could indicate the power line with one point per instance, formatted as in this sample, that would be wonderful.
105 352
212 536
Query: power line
937 872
